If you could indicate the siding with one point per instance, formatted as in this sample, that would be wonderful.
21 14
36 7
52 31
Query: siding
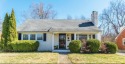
43 45
46 45
119 40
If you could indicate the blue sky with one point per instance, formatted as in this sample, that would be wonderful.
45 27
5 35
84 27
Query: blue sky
75 8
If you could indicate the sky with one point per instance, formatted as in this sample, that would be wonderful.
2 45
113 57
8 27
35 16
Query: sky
75 8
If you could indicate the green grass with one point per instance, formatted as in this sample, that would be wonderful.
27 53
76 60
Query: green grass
96 58
31 57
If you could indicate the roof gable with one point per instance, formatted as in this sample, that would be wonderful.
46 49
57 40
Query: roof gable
123 30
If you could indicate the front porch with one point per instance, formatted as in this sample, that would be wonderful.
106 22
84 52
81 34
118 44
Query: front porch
60 41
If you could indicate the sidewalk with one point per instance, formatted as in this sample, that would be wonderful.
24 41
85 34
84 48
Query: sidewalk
119 53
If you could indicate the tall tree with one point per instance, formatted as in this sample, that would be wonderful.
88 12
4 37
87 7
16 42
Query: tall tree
12 28
5 30
113 17
9 32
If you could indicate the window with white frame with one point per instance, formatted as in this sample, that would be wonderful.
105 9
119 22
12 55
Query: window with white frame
32 36
123 41
39 36
81 36
25 36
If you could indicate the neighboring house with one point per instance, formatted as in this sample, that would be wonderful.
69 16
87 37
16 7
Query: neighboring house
55 35
120 39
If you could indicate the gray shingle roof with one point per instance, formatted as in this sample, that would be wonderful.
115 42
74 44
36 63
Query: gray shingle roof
57 25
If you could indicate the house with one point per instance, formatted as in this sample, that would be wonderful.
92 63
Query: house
55 35
120 39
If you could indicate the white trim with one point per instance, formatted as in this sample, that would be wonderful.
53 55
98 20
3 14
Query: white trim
74 36
28 36
120 33
87 36
123 40
36 37
52 41
91 36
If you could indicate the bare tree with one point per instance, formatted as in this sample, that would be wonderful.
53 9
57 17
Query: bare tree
39 11
113 17
69 17
83 17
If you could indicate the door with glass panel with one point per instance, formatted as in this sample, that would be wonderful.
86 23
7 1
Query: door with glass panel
62 41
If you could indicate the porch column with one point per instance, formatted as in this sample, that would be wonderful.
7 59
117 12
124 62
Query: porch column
74 36
28 36
52 41
87 36
91 36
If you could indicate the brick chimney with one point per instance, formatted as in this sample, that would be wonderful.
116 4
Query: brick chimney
94 18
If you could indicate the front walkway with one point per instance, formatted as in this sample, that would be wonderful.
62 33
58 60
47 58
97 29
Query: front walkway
63 59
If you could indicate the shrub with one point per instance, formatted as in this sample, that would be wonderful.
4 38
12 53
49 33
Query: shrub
75 46
111 47
93 45
25 45
103 48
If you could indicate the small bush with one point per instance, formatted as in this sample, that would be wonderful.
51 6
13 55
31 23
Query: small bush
25 45
75 46
93 45
111 47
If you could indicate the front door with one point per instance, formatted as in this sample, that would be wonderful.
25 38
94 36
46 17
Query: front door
62 41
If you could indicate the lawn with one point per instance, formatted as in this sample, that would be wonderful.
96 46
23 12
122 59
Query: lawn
31 57
96 58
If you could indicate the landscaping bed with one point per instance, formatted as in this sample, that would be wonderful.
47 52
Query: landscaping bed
31 57
96 58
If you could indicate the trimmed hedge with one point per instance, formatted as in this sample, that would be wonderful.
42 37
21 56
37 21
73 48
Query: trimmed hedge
111 47
75 46
93 45
25 46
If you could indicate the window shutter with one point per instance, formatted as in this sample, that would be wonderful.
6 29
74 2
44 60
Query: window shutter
44 37
19 36
72 36
94 36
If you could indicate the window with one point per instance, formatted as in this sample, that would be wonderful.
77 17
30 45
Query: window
39 36
123 41
82 36
89 36
77 36
25 36
94 36
32 36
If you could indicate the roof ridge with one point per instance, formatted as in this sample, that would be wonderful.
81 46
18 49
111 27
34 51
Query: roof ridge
73 20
